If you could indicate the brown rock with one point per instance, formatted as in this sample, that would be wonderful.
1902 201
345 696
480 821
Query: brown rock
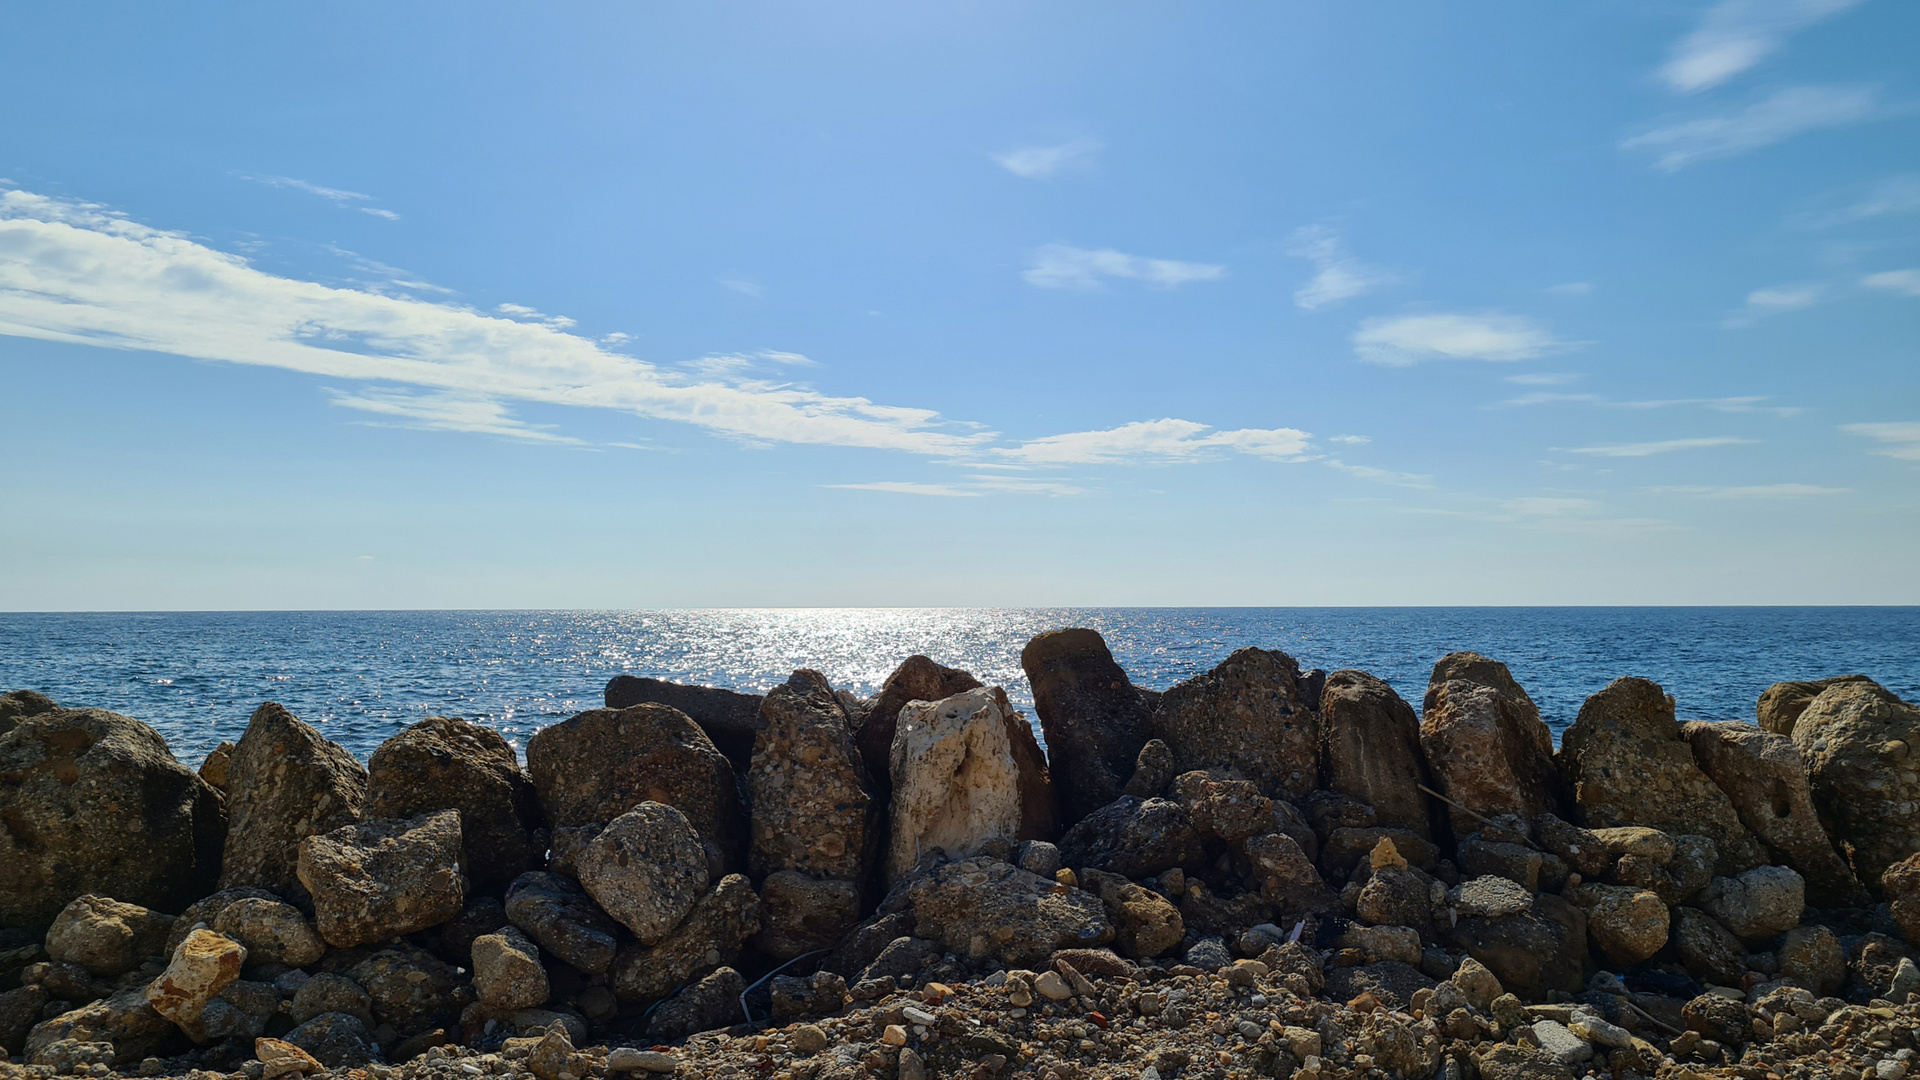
207 910
1486 744
18 705
202 966
1094 719
1249 719
1286 875
1372 750
731 719
802 914
556 912
987 910
442 763
1812 957
1627 925
1900 884
711 935
124 1020
286 782
1133 837
106 936
1708 950
1781 704
381 879
214 768
507 973
1543 948
1228 811
1857 739
1145 924
812 804
279 1058
1767 782
916 679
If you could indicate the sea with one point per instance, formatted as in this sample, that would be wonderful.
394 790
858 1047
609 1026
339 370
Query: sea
361 676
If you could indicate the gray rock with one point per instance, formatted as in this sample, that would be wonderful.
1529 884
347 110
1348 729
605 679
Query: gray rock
645 869
713 1002
1560 1043
1134 838
1038 857
918 678
1760 903
985 910
106 936
1250 718
801 914
381 879
1708 951
712 934
729 718
329 993
557 913
1208 954
443 763
273 932
286 782
1393 982
335 1040
411 989
125 1022
1489 896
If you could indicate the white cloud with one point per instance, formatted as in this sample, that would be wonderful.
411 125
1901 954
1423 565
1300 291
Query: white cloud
379 213
1900 439
1340 276
1384 476
447 412
1775 300
1666 446
336 196
905 487
1060 266
1745 404
1409 339
1734 35
972 488
1352 440
1040 162
1781 116
1753 491
742 286
1891 197
1570 288
1548 397
1902 282
1158 442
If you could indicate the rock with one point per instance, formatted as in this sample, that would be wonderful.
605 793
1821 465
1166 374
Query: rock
331 993
910 1066
442 763
1628 764
1145 924
1489 896
1812 957
1581 849
1508 1061
1208 954
240 1012
482 915
556 912
956 783
866 942
1228 811
1038 857
1626 924
207 910
1152 770
507 972
1900 884
1518 864
1379 943
1094 719
902 957
812 804
1767 782
1856 739
711 935
917 678
729 718
280 1058
627 1059
1708 951
1224 913
1477 982
985 909
214 768
1391 982
1249 719
1781 704
645 869
19 1011
801 914
18 705
1758 904
1286 876
272 932
1344 848
1397 896
1485 742
381 879
107 937
335 1040
1372 750
713 1002
1134 838
1561 1044
201 967
1720 1018
72 829
1543 948
410 989
286 782
125 1022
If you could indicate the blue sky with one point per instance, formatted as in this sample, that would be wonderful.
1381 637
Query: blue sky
472 305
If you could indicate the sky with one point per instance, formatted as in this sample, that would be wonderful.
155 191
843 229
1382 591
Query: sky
761 304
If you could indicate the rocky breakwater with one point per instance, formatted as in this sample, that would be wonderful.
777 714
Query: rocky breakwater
1261 871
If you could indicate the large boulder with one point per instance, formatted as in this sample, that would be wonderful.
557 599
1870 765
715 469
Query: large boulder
93 802
107 937
1372 750
1540 949
201 967
1781 704
1758 904
125 1020
1134 838
507 973
917 678
1857 739
800 914
957 784
273 932
1763 775
1145 924
1628 764
711 935
1899 884
1250 718
285 783
1094 719
731 719
1706 949
381 879
646 869
1626 924
442 763
557 913
411 989
812 804
1486 744
987 911
18 705
600 764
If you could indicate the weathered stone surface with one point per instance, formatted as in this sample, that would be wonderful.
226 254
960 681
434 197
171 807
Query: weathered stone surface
812 803
918 678
1766 780
646 869
214 768
1390 981
1371 750
442 763
1781 704
1345 848
279 1058
272 932
507 972
1900 884
731 719
1627 925
802 914
335 1040
986 910
1477 983
125 1021
1489 896
1396 896
1760 903
710 935
411 989
329 992
1134 838
1543 948
382 879
106 936
1582 850
1095 720
1708 951
286 782
955 783
1145 924
201 967
206 910
600 764
1249 719
1485 742
713 1002
93 802
482 915
1227 811
20 1010
1382 942
1152 770
1857 739
18 705
556 912
1628 764
1812 957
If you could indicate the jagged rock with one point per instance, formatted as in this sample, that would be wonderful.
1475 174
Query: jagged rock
1094 719
201 967
1767 782
1626 924
106 936
1857 738
1145 924
812 804
985 909
956 784
1247 718
411 989
1286 876
443 763
1391 981
1485 742
71 827
557 913
1152 770
482 915
18 705
1229 811
1478 983
866 942
1371 742
1208 954
554 1056
1629 765
215 766
381 879
1489 896
1224 914
731 719
1396 896
1760 903
286 782
1781 704
1134 838
331 993
507 972
711 935
126 1022
1708 951
1900 884
1508 1061
335 1040
1543 948
281 1058
713 1002
802 914
1383 942
600 764
1581 849
19 1010
1812 957
207 910
902 957
1344 848
1718 1018
646 869
918 678
273 932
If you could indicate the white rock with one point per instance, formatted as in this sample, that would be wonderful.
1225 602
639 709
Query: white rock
1560 1043
955 783
628 1059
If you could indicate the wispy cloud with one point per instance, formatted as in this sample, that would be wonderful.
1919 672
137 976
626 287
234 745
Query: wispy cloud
1547 397
1780 116
741 285
1549 506
1900 439
1734 35
1901 282
905 487
1158 442
1751 403
1061 266
972 488
1752 491
1891 197
1409 339
1339 275
1352 440
1544 378
1775 300
1040 162
447 412
1665 446
336 196
1420 481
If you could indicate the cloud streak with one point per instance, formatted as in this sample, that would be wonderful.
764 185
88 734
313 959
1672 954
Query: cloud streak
1898 282
337 196
1786 113
1752 491
1403 340
1734 35
1158 442
1899 440
1339 276
1041 162
1062 266
1665 446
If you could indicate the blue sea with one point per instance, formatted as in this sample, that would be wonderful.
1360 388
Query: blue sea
360 676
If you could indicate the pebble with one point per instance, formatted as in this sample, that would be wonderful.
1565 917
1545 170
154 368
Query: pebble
918 1016
894 1035
628 1059
1052 986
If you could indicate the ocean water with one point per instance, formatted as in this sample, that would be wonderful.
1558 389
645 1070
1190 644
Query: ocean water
360 676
